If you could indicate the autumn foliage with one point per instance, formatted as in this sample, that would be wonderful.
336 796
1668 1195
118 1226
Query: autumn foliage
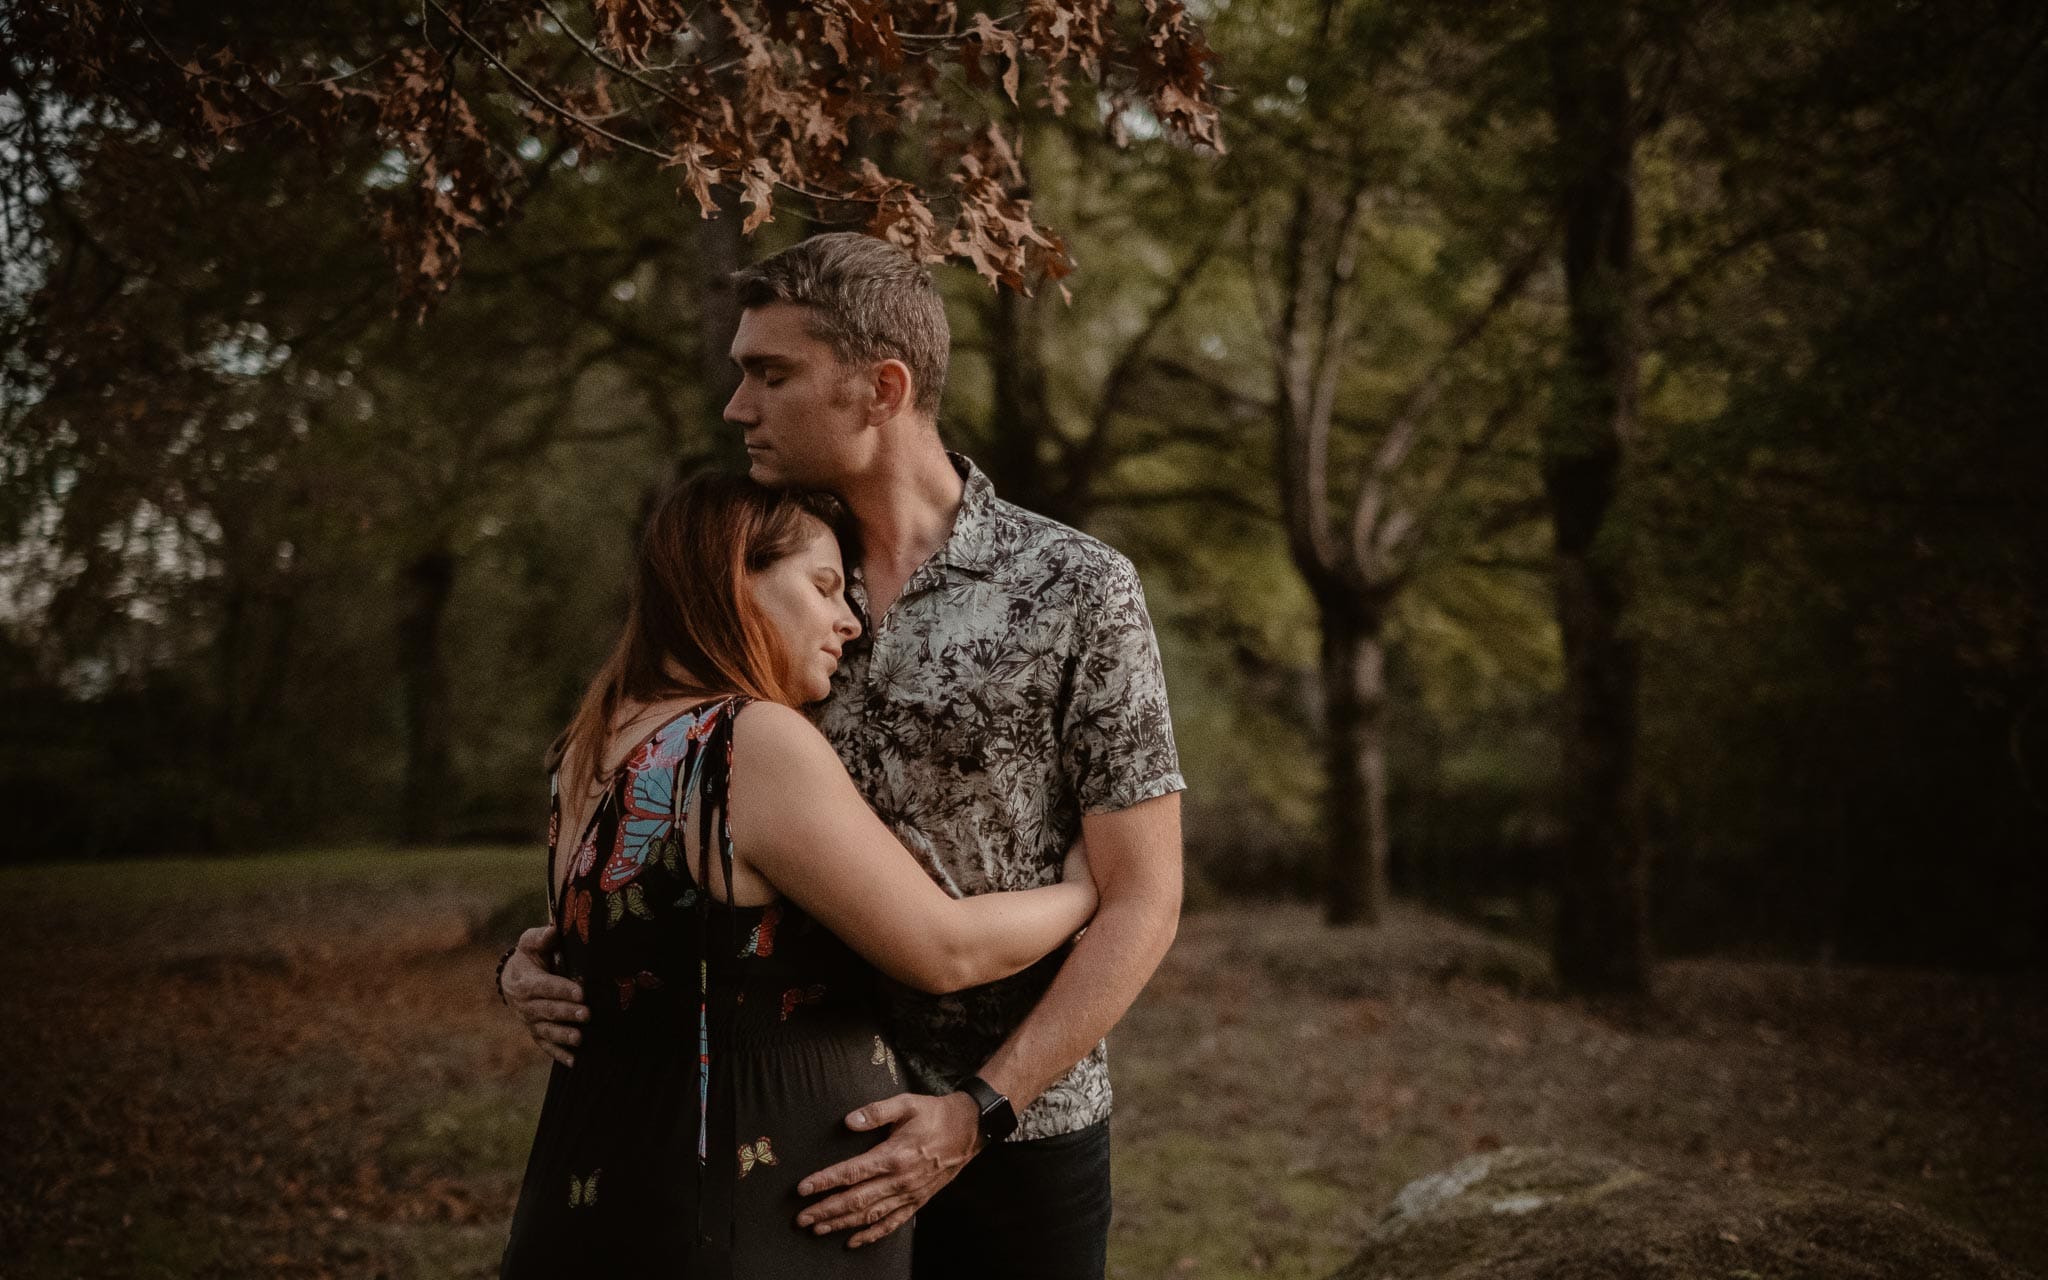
841 105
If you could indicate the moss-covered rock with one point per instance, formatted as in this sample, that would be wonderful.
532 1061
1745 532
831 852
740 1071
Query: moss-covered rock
1544 1214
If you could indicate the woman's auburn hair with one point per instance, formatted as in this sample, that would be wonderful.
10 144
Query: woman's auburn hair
692 627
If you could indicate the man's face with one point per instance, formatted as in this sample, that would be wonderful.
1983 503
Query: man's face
800 408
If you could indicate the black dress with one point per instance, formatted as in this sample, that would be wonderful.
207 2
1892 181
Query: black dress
725 1047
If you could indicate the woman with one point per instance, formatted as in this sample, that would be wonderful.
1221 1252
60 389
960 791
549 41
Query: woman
722 892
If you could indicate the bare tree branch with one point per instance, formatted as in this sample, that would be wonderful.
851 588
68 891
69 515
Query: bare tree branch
597 55
1227 497
1304 454
1127 365
1400 434
1504 414
539 99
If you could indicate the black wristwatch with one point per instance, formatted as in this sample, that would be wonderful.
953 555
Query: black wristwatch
998 1120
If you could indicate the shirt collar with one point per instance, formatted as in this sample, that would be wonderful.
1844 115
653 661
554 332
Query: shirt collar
970 548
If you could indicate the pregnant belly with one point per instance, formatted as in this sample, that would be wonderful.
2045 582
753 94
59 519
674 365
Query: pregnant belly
788 1122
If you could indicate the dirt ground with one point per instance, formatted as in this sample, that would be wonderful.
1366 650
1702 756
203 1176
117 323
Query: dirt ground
293 1066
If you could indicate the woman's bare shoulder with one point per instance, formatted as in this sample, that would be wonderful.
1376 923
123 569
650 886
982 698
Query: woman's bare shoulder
775 731
779 755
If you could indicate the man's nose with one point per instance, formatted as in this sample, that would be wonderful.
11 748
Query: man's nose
737 410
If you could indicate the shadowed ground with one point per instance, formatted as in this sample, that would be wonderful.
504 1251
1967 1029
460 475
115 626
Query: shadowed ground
293 1066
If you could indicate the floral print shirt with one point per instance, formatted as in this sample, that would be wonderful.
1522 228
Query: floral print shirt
1013 686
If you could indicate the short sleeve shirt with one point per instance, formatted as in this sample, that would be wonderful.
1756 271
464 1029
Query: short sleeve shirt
1013 686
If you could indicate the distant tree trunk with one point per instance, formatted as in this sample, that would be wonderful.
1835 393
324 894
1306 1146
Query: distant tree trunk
1355 760
1602 941
720 251
426 584
229 645
227 757
1021 417
251 669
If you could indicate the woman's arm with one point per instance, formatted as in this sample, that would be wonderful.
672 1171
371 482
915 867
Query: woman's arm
798 822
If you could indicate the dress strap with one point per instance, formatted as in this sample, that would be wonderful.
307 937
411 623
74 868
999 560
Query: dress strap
555 894
709 784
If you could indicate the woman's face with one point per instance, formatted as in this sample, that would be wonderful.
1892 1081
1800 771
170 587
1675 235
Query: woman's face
804 597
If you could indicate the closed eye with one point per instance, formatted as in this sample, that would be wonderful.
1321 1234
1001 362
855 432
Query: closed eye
771 370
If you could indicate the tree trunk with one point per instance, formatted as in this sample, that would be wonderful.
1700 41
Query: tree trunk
1602 941
426 585
229 645
252 663
720 251
1355 762
1021 416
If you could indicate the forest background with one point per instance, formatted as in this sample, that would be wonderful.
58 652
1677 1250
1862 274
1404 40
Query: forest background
1542 430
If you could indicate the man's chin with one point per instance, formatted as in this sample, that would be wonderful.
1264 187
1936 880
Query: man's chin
764 469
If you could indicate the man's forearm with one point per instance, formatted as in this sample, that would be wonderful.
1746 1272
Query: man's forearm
1100 979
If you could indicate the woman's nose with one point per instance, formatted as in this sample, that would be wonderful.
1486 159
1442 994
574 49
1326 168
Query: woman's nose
848 626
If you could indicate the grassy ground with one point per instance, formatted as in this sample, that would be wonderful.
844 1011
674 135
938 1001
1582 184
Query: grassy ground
292 1066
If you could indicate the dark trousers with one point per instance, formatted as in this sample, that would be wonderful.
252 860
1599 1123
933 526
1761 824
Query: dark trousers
1034 1210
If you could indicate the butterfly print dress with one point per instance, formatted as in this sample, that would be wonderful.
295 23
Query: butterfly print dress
725 1047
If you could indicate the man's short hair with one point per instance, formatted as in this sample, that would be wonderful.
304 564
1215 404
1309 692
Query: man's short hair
868 299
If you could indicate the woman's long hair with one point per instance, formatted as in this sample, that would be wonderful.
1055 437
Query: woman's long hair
692 628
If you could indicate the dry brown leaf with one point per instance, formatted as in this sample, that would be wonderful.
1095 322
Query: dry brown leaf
758 193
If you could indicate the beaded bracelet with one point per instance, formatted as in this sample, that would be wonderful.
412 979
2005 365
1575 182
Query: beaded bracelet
499 979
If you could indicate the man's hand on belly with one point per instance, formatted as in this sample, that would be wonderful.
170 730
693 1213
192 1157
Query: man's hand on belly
930 1141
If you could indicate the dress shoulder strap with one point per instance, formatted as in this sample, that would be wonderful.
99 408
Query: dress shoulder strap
710 784
709 787
554 887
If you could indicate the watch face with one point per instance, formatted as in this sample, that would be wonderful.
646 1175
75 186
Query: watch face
996 1118
999 1120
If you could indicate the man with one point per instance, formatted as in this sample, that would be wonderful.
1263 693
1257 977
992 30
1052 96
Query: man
1006 698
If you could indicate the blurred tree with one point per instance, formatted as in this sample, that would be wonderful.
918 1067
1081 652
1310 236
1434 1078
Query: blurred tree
1839 503
272 432
1405 193
1058 413
1602 939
